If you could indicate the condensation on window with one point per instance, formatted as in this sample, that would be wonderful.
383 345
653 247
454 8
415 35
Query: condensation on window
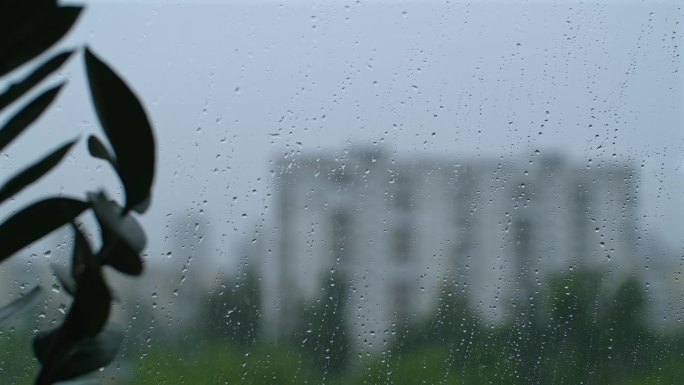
375 192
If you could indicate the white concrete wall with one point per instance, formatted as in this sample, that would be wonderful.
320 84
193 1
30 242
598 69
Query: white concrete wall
462 222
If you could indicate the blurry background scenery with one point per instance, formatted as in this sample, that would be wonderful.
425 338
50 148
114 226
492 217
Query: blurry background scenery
376 192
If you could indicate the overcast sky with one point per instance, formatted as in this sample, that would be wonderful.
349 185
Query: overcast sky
230 87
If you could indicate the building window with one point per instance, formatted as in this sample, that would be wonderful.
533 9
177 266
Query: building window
340 234
340 177
402 198
402 244
400 300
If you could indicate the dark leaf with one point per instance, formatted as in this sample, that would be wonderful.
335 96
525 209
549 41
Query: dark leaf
20 304
98 150
27 32
127 128
44 344
35 221
65 361
125 259
16 15
64 277
87 355
34 172
22 119
124 226
16 90
85 319
83 260
123 238
92 301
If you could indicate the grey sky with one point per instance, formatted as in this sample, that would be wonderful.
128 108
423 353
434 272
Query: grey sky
230 87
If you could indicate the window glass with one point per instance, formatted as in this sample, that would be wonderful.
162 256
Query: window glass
385 192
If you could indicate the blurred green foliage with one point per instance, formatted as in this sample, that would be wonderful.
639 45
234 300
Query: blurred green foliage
584 329
231 313
323 333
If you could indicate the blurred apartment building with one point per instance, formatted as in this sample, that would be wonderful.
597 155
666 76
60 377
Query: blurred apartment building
399 230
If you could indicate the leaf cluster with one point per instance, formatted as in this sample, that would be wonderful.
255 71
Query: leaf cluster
83 342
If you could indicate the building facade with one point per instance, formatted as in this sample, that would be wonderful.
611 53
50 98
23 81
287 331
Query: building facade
399 230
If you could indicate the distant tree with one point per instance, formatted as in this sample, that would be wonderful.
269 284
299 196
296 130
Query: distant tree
455 327
324 329
452 324
595 335
627 339
231 312
569 334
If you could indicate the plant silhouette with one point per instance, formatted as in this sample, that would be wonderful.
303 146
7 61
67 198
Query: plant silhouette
83 342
